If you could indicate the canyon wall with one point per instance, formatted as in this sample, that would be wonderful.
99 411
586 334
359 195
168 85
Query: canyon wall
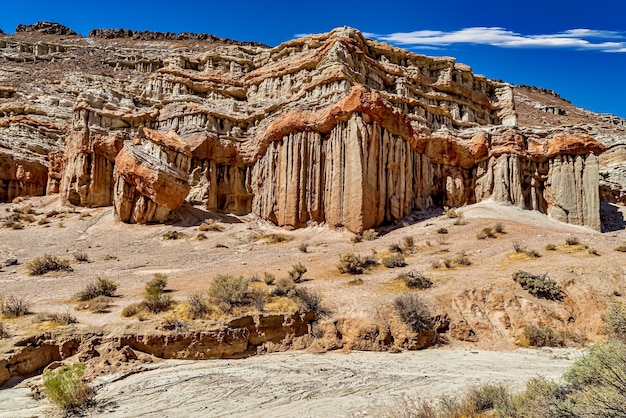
331 128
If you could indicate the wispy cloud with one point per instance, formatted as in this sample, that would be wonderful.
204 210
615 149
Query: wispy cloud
581 39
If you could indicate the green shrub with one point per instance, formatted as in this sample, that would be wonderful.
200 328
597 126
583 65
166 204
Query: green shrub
296 272
351 264
615 322
541 286
415 280
157 284
65 388
413 312
393 261
228 291
47 263
543 336
102 287
157 302
540 398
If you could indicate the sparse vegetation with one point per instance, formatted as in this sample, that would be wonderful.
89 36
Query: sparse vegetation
198 306
228 291
395 248
3 332
101 287
518 247
542 336
462 260
460 219
43 221
269 278
593 251
276 238
550 247
157 284
532 253
297 272
12 307
572 241
156 303
393 261
65 387
408 244
284 287
303 247
413 312
81 256
486 233
615 322
354 264
173 235
131 310
370 235
99 304
415 280
621 248
47 263
541 286
210 225
62 318
499 228
477 402
442 231
201 237
451 213
311 300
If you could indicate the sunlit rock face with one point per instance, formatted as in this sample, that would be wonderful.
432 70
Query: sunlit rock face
331 128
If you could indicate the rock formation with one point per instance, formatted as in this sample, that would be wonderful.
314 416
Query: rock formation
330 128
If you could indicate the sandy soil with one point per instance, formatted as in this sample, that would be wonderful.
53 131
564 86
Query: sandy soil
301 384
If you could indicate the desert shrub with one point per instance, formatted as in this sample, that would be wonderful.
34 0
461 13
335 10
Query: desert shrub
311 301
416 280
12 307
408 407
572 241
201 237
393 261
81 256
499 228
541 286
598 381
435 264
486 233
173 324
269 278
131 310
157 302
43 221
210 225
550 247
3 332
395 248
369 235
355 281
257 298
593 251
621 248
157 284
540 398
228 291
478 400
460 219
413 312
99 304
447 263
615 322
543 336
296 272
442 231
351 264
47 263
532 253
518 247
284 287
276 238
174 235
101 287
65 388
63 318
451 213
408 243
304 247
198 305
356 239
462 260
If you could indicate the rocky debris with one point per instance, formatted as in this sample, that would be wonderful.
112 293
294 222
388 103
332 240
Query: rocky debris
11 261
330 128
46 28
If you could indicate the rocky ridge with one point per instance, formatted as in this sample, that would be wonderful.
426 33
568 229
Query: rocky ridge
330 128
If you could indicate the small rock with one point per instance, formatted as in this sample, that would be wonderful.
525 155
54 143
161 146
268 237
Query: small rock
11 261
243 263
13 272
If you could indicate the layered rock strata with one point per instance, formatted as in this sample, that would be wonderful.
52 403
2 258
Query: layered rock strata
330 128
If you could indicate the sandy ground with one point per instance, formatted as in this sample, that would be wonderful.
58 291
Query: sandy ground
301 384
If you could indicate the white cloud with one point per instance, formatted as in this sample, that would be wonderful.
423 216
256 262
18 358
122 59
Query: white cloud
581 39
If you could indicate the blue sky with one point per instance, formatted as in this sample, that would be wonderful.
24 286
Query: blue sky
577 48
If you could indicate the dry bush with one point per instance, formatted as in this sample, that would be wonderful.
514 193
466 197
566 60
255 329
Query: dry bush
393 261
396 248
593 251
518 247
541 286
621 248
47 263
415 280
370 235
229 291
156 303
447 263
413 312
63 318
462 260
356 281
499 228
257 298
101 287
81 256
12 307
201 237
532 253
173 235
210 225
198 306
99 304
132 310
483 400
451 213
157 284
572 241
543 336
304 247
408 244
3 332
297 272
311 301
442 231
43 221
269 278
354 264
435 264
276 238
284 287
407 407
550 247
615 322
173 324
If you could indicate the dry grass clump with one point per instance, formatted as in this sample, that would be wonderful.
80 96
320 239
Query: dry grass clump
303 247
393 261
201 237
396 248
157 284
99 304
541 286
43 221
451 213
65 387
355 264
210 225
542 336
198 306
81 256
13 307
132 310
486 233
228 291
572 241
311 301
275 238
483 400
550 247
593 251
415 280
413 312
269 278
442 231
615 322
155 299
499 228
284 287
367 235
47 263
462 260
621 248
101 287
3 332
297 272
408 244
62 318
173 235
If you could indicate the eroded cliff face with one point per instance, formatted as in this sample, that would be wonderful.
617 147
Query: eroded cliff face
329 128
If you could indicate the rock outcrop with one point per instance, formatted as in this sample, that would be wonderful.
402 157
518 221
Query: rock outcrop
330 128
